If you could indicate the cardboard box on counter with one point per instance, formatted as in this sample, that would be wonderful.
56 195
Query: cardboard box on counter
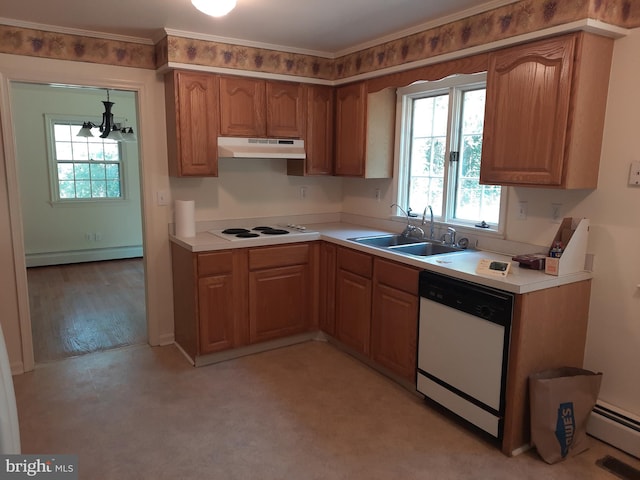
572 235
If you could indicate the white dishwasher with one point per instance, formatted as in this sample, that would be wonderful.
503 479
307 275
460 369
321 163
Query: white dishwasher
463 346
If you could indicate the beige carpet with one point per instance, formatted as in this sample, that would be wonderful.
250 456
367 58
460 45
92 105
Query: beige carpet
302 412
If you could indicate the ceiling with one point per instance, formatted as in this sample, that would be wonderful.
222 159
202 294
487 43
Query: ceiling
326 27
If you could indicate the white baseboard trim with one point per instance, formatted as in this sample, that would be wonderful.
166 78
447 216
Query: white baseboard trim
17 368
615 427
79 256
166 339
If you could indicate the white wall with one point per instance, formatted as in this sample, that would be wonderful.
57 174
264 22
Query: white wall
247 188
62 228
153 158
613 344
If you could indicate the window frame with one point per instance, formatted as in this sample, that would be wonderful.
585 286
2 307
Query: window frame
52 161
455 86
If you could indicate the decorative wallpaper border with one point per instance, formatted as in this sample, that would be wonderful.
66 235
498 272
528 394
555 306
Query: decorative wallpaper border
525 16
215 54
59 46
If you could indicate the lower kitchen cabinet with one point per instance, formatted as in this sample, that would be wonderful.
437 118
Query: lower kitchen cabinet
279 296
232 298
376 310
327 287
353 298
549 330
209 300
394 320
215 304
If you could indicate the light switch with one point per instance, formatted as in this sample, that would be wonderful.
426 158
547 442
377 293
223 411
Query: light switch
634 174
162 198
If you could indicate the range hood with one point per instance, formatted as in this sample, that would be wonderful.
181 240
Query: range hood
235 147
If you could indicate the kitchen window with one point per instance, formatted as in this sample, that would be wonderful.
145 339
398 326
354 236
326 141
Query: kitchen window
83 168
440 152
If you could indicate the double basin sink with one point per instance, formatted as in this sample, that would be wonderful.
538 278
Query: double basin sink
406 245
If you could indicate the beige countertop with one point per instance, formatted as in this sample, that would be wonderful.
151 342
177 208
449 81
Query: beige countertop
461 265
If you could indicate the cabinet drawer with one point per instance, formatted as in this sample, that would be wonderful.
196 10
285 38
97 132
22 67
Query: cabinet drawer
396 276
355 262
215 263
269 257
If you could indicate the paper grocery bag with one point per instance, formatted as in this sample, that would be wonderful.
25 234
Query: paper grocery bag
561 402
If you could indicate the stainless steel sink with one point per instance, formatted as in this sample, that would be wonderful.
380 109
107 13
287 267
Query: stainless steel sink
424 249
385 241
406 245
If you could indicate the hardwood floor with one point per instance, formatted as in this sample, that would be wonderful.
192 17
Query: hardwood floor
86 307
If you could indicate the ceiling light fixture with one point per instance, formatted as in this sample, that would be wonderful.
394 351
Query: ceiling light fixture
108 128
215 8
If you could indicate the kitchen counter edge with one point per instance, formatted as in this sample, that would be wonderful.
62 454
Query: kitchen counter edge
460 265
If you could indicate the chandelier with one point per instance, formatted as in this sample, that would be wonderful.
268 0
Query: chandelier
108 128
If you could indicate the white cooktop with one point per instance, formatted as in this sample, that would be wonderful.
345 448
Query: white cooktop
263 231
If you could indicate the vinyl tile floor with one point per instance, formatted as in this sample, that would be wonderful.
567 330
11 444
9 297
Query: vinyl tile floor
308 411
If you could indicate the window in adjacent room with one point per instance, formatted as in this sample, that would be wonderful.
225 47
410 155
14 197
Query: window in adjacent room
440 151
83 168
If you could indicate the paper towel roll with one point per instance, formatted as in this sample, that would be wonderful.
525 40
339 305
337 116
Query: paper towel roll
185 218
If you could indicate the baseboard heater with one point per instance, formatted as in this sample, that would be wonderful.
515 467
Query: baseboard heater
615 427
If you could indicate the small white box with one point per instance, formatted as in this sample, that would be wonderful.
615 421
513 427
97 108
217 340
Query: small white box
572 234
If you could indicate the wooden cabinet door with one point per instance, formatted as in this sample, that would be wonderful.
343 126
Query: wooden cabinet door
242 107
192 123
216 313
327 273
394 330
285 109
278 302
351 113
319 131
353 310
527 113
394 318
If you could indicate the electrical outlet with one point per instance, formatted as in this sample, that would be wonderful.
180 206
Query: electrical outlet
303 192
556 213
522 210
98 236
634 174
378 194
88 237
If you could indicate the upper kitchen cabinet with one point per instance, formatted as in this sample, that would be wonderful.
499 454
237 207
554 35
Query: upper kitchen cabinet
242 107
318 136
365 128
252 107
545 111
285 109
192 123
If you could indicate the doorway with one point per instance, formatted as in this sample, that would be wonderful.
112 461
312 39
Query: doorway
85 273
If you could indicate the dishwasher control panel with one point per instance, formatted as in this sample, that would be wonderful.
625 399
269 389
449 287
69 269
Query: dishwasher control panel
484 302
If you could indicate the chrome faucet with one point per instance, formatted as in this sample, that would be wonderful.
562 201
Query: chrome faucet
451 233
424 221
410 229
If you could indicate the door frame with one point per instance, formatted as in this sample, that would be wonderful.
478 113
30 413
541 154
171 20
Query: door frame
159 321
